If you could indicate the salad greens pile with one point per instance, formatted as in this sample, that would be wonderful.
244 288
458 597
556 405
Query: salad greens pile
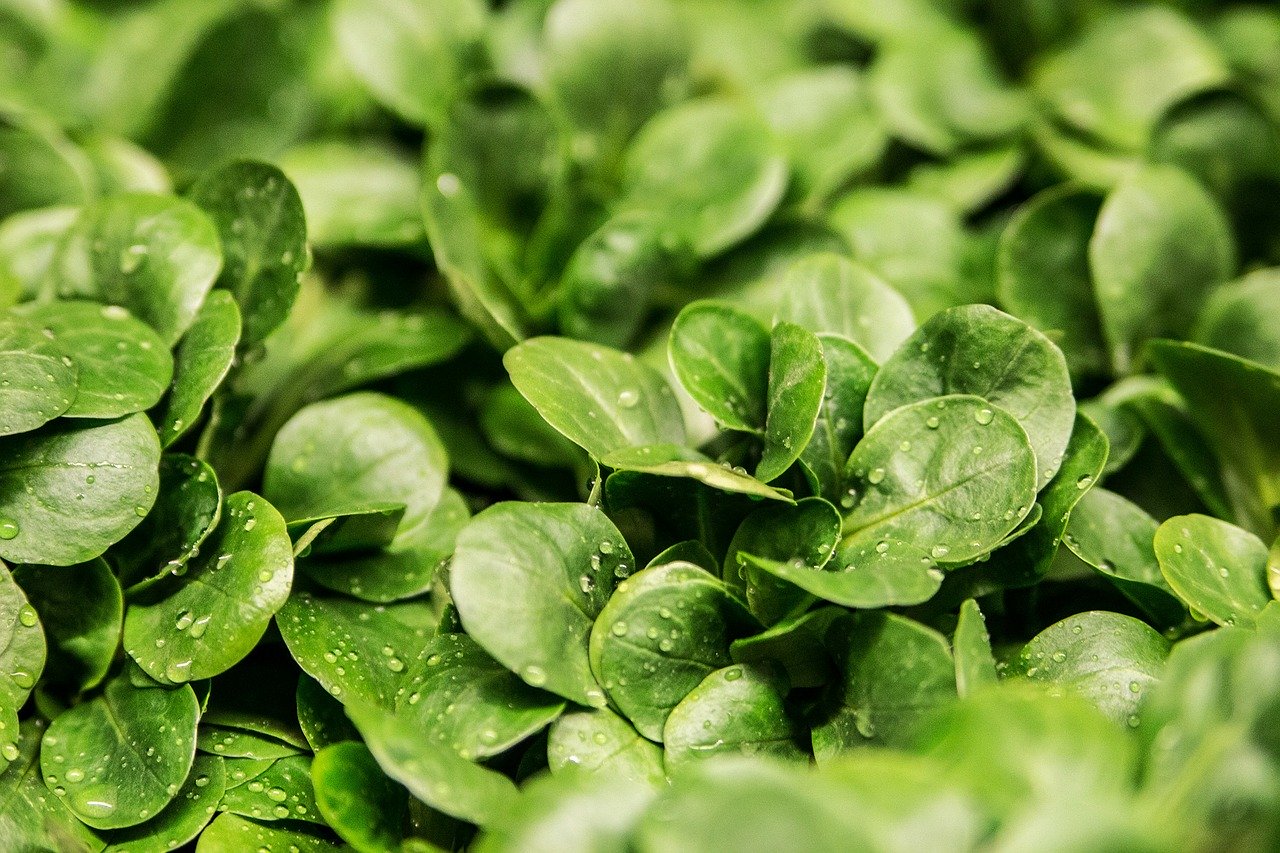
639 425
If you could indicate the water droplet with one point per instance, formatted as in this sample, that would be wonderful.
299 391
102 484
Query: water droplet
1177 549
1059 657
10 752
882 547
606 547
627 399
733 673
535 675
619 629
939 551
140 511
75 775
250 524
875 476
1135 687
1084 482
277 794
932 422
179 672
27 616
8 528
184 620
395 664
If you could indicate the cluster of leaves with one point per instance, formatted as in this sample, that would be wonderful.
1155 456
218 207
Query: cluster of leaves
639 425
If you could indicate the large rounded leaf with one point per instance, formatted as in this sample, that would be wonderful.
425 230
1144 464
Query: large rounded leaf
122 365
978 350
216 612
433 773
1107 658
342 644
605 745
1161 244
937 482
797 380
710 169
529 580
600 399
895 673
827 293
1043 275
413 56
182 820
357 799
69 491
120 758
356 452
659 636
37 378
738 709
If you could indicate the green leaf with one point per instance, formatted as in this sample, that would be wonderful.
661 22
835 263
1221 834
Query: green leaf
121 365
22 659
600 399
529 581
721 357
1016 750
806 533
113 464
978 350
795 644
975 665
36 384
321 717
1043 273
355 798
95 753
187 509
1231 402
1115 536
1187 448
433 773
356 195
154 255
1239 318
230 833
339 643
939 91
201 362
281 791
414 57
962 483
264 241
826 122
711 195
611 278
663 631
81 610
1215 567
895 673
1150 276
1115 80
797 380
610 65
668 460
387 453
32 816
470 702
735 710
45 168
183 819
827 293
217 611
569 811
1109 659
601 743
839 424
